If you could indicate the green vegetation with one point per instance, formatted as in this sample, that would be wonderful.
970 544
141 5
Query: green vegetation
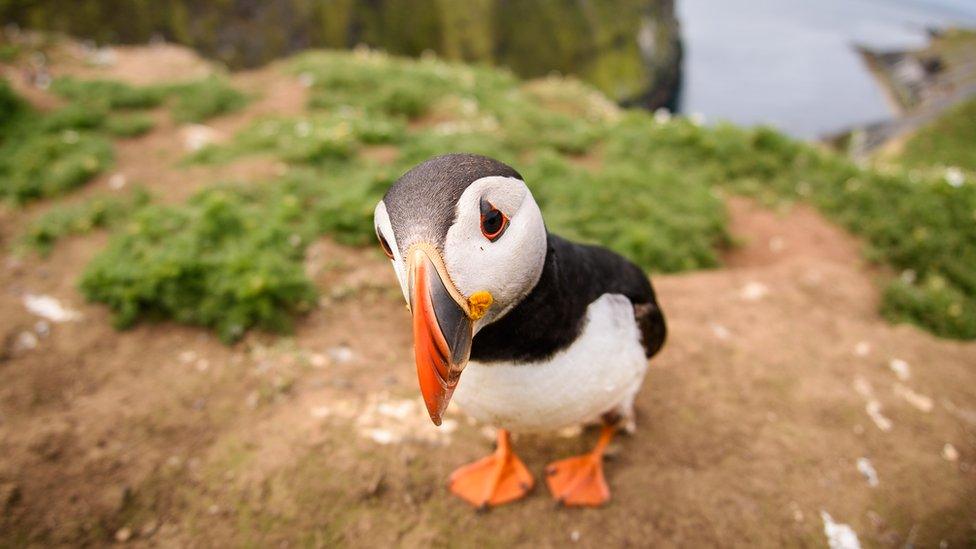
43 156
313 138
108 93
199 100
193 101
129 125
651 189
231 258
948 141
46 155
73 219
43 165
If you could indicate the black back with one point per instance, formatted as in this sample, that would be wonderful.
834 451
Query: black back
553 314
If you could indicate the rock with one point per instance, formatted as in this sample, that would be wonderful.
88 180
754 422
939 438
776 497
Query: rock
123 534
117 181
863 348
754 291
198 136
865 468
25 341
839 536
340 354
900 368
318 360
49 308
949 452
917 400
42 327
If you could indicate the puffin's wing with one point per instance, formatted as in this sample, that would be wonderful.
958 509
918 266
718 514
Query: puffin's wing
653 329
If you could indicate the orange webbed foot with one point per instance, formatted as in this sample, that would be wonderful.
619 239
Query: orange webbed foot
579 481
493 480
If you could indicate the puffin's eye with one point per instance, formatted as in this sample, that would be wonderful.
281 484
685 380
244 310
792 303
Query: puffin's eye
385 245
493 221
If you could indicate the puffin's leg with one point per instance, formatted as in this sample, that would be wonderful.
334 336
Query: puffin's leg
493 480
579 480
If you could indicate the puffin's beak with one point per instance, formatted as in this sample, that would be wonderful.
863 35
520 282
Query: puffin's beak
441 329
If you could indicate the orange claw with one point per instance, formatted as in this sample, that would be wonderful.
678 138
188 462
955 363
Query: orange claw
579 480
493 480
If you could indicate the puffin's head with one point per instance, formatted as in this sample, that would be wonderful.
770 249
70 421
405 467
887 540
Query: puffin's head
467 243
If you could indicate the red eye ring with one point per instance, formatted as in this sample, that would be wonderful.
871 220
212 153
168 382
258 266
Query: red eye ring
493 221
385 245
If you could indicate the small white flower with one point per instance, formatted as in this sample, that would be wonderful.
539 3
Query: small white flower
954 177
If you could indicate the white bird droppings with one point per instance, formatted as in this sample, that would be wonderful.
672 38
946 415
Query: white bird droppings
754 291
917 400
873 408
721 332
865 468
839 536
900 368
49 308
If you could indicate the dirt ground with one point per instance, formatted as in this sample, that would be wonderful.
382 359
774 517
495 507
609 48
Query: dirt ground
778 377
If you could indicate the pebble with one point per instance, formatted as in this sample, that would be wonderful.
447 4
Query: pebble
198 136
949 452
900 368
340 354
865 468
754 291
839 536
574 536
721 332
873 408
49 308
123 534
117 181
917 400
42 327
863 348
318 360
25 341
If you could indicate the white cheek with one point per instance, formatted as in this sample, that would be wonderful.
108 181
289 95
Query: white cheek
382 221
507 268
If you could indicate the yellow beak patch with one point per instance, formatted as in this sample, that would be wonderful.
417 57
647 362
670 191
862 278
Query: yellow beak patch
478 304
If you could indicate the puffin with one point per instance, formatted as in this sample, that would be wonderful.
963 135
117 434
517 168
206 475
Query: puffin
526 331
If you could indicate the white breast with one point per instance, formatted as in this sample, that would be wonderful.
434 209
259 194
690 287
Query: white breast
600 372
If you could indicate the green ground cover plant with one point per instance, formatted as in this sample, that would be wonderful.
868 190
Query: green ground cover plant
63 220
647 186
948 141
191 101
231 257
